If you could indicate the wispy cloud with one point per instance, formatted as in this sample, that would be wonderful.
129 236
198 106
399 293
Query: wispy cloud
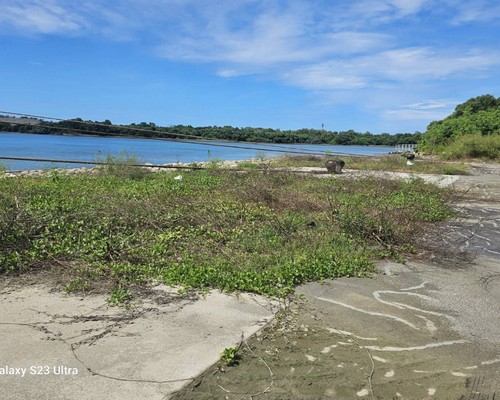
431 105
272 42
415 115
327 76
428 110
475 11
417 64
40 17
319 46
388 9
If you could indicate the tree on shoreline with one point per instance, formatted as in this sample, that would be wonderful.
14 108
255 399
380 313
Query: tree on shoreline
77 126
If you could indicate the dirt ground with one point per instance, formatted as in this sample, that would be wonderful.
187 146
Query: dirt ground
427 329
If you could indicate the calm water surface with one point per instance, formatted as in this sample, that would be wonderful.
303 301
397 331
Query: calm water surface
84 148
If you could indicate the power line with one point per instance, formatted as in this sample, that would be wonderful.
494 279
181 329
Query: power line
122 126
200 141
83 162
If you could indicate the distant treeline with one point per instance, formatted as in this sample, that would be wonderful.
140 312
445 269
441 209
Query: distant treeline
150 130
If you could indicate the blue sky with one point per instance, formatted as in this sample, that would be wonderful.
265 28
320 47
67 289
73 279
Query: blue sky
368 65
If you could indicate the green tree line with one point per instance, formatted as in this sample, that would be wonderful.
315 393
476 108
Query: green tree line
248 134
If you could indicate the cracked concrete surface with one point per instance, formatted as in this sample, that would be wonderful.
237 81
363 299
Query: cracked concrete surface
80 348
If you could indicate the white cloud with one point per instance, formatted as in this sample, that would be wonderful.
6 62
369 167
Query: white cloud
404 65
372 13
426 110
40 17
418 115
253 32
350 42
475 11
428 63
431 105
407 7
272 43
228 73
344 48
326 76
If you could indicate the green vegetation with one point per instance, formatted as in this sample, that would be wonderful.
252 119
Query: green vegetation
230 356
263 233
397 163
472 131
394 163
120 296
248 134
123 165
473 146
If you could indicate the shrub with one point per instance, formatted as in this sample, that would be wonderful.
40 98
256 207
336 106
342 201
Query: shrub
473 146
123 165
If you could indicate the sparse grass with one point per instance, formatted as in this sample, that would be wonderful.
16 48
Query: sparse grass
248 165
262 233
393 162
398 163
299 161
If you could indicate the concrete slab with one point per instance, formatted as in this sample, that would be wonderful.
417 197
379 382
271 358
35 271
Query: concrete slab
429 324
58 346
412 331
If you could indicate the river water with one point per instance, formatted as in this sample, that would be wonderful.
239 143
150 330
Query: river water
87 148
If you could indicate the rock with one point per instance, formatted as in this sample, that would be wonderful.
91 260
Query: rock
335 166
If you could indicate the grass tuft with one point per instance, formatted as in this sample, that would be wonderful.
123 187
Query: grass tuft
123 165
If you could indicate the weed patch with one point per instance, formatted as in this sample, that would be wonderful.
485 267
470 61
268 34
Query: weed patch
123 165
119 296
262 233
229 356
